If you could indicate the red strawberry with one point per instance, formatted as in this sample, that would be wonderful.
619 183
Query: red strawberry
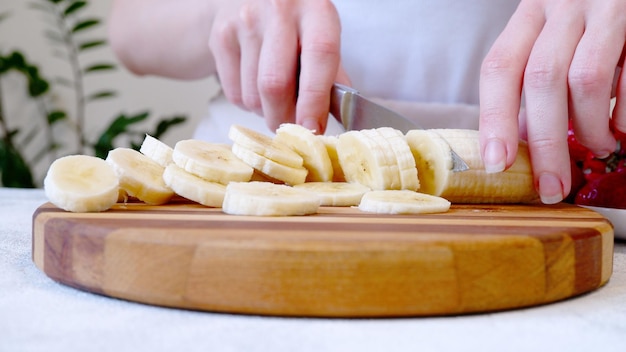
621 166
577 151
608 190
593 167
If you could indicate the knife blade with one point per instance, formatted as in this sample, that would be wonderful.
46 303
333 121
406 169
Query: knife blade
355 112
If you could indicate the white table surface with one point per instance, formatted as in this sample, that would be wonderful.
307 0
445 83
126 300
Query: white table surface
38 314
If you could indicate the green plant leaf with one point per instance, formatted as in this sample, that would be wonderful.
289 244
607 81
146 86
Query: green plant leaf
16 60
37 87
36 84
99 67
101 95
5 65
55 116
165 124
75 6
56 1
117 127
14 169
82 25
91 44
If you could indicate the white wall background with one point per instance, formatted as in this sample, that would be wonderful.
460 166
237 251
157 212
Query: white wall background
24 30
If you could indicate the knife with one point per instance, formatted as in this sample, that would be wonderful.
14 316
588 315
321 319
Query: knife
356 112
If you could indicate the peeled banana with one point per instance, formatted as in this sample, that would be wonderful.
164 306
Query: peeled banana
156 150
362 161
336 194
192 187
431 150
264 146
402 202
403 156
81 183
270 168
379 170
212 162
310 148
268 199
377 158
330 142
140 176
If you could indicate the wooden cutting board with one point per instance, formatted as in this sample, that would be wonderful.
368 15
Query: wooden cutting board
339 263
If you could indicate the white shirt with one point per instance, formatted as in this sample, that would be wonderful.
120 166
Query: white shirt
420 58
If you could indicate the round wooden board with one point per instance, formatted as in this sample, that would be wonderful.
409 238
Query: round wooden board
338 263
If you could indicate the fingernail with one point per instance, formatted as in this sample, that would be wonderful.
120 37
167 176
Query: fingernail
550 189
603 154
495 156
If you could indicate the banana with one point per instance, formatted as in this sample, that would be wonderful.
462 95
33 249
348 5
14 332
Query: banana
402 202
268 199
156 150
140 176
403 156
259 176
312 150
379 170
274 170
330 142
363 161
336 194
389 156
431 149
81 183
192 187
265 146
212 162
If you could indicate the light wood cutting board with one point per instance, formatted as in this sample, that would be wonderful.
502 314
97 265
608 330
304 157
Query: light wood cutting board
339 263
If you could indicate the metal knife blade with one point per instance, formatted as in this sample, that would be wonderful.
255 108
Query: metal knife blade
355 112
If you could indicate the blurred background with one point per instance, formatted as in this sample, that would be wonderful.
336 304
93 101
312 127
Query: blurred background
63 92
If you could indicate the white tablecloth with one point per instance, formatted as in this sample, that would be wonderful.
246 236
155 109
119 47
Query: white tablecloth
38 314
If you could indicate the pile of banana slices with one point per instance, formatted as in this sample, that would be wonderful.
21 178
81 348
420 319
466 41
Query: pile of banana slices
294 173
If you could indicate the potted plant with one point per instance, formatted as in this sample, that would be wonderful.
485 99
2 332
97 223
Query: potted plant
23 147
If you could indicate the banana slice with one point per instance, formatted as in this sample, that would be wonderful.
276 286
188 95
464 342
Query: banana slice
268 199
283 173
330 142
210 161
265 146
140 176
389 156
363 161
402 202
259 176
192 187
404 157
81 183
336 194
310 148
431 149
156 150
